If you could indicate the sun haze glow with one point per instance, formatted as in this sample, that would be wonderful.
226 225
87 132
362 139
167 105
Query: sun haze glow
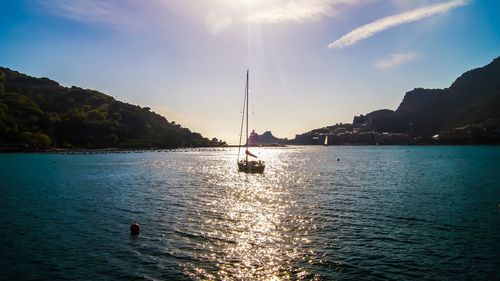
187 59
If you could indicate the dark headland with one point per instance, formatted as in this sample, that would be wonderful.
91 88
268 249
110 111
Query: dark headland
467 112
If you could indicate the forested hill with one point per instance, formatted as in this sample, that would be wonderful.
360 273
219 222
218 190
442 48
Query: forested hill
38 113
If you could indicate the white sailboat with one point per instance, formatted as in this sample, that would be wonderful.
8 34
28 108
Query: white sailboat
326 140
246 165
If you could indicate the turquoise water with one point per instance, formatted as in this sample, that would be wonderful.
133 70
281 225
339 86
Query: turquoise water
379 213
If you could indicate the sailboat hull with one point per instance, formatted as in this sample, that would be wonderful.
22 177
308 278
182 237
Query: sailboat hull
253 167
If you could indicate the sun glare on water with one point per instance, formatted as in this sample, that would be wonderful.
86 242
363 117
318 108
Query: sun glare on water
253 229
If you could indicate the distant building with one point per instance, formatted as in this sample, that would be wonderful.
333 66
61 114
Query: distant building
469 134
362 120
253 139
266 138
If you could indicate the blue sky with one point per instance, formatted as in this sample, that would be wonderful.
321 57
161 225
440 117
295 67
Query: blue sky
312 63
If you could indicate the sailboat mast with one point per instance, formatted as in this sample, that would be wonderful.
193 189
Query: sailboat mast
246 154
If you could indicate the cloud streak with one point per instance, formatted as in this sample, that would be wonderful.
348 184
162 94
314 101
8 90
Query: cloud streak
300 11
395 60
217 21
380 25
105 12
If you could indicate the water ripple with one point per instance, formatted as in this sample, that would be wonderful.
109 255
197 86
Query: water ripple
376 214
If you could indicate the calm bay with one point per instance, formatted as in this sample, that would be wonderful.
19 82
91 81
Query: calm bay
325 213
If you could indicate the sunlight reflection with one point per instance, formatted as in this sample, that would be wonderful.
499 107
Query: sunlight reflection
254 227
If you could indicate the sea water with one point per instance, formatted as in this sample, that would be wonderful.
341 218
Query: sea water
324 213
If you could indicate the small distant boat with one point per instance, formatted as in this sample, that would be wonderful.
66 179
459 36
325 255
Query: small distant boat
245 165
326 140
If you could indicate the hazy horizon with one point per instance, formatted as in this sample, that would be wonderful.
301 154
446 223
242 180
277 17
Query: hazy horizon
312 63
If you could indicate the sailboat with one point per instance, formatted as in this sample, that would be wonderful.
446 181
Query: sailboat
246 165
326 140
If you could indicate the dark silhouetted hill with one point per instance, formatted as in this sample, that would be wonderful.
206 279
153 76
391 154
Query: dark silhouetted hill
38 113
466 112
472 100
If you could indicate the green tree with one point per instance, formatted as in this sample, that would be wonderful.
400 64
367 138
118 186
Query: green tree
35 140
95 115
2 80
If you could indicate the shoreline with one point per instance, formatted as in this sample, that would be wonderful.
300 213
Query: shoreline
78 151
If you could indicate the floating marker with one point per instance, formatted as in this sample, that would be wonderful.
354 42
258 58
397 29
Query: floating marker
135 229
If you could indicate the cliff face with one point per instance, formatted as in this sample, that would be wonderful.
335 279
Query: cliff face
480 82
473 99
39 113
424 111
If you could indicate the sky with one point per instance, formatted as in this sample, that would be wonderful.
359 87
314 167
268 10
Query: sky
313 63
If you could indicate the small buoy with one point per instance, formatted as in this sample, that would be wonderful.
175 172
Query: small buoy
135 229
338 159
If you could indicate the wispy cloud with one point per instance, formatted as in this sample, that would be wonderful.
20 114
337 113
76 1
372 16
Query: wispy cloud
300 11
217 21
104 11
380 25
395 60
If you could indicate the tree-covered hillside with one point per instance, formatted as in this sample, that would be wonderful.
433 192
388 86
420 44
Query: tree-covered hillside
39 113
